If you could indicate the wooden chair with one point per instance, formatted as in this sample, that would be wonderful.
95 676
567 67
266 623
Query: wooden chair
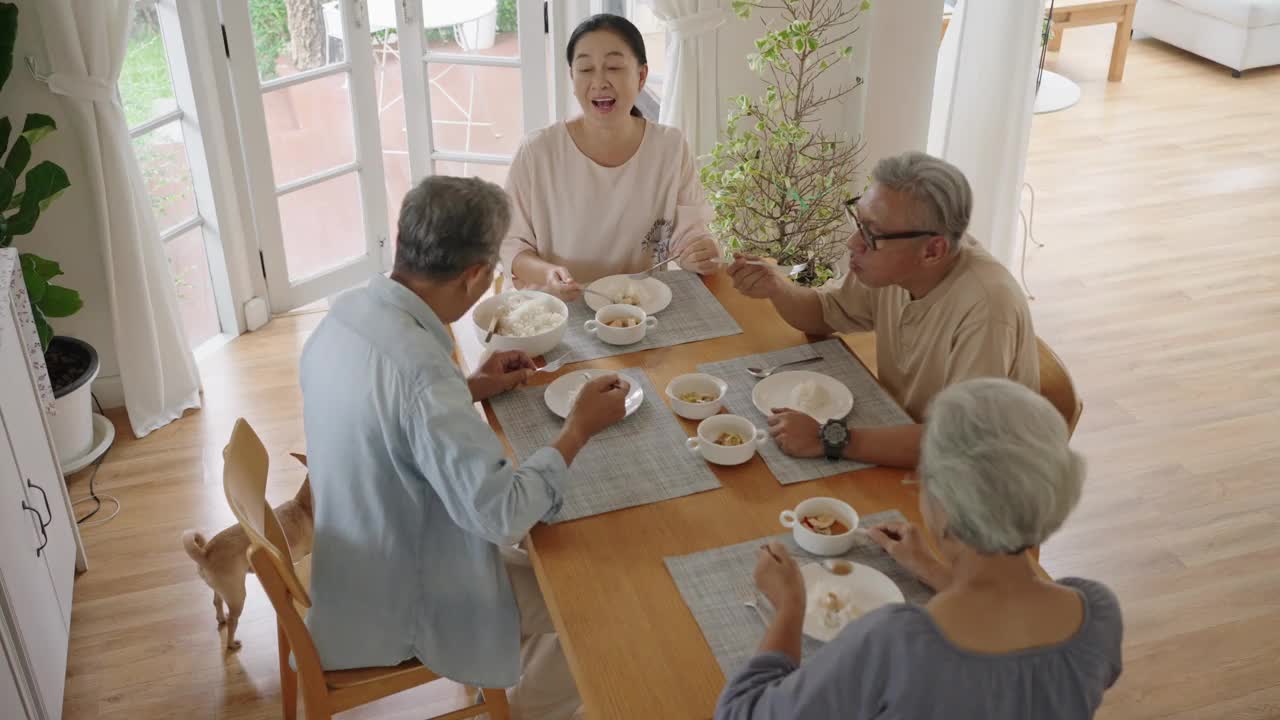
1055 382
1057 387
244 478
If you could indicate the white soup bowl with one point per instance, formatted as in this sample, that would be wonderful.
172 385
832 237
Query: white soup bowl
817 543
709 430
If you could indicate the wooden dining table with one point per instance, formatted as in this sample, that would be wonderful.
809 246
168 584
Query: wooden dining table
632 644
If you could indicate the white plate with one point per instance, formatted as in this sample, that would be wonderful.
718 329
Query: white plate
561 393
775 392
104 433
657 293
866 587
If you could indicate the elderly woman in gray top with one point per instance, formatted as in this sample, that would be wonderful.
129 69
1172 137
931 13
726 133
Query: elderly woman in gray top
998 641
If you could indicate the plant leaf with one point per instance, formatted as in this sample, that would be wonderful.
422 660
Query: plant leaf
37 126
19 156
42 328
6 127
60 302
8 35
36 285
21 222
7 183
45 182
15 202
866 5
47 269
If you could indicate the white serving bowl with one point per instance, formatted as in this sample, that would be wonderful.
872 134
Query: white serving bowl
814 542
708 430
534 345
620 336
697 382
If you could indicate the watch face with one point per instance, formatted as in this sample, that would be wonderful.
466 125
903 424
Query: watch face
834 432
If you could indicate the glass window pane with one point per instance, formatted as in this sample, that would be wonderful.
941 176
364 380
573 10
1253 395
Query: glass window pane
144 84
392 126
496 174
475 27
162 157
475 108
655 44
309 127
189 268
323 226
290 36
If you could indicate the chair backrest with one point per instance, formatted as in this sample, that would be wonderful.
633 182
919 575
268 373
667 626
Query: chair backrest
1057 387
244 479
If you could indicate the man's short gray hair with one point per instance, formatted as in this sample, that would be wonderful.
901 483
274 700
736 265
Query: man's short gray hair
943 198
448 224
995 460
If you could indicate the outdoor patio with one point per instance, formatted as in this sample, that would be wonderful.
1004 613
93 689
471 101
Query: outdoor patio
310 130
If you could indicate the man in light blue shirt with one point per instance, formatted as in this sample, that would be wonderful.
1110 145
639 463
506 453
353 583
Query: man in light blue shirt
415 501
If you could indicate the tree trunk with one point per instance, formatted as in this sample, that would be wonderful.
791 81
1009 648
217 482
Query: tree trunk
306 32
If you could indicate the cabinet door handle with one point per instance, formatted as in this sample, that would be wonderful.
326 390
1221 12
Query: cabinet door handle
47 511
45 540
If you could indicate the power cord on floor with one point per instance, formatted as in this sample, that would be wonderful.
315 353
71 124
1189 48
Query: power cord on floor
1028 233
93 495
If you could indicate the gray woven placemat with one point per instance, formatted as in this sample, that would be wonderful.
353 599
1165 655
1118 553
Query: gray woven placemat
711 583
872 406
640 460
694 314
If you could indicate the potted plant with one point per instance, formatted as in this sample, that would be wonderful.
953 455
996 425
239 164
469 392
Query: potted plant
24 194
777 181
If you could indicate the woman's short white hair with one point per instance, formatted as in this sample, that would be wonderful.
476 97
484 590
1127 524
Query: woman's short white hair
995 459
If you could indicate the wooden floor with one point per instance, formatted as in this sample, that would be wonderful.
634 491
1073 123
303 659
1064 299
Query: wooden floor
1159 285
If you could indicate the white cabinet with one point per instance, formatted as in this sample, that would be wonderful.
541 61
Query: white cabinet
39 542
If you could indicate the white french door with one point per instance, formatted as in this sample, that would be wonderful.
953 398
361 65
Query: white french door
475 82
312 147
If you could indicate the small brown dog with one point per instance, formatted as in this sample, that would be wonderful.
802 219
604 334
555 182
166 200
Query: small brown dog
223 561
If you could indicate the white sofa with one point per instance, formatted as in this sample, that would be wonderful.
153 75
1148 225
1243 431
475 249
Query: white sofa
1241 34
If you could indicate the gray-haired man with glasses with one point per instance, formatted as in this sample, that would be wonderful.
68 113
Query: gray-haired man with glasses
942 308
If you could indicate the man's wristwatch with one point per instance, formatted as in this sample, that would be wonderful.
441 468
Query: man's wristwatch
835 438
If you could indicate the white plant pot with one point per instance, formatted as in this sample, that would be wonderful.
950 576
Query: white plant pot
481 33
72 420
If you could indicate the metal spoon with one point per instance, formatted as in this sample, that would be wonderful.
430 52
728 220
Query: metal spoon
556 364
766 372
647 273
599 294
751 600
837 567
493 325
791 271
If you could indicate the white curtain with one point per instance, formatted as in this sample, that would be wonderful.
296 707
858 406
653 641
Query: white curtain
86 41
689 93
899 76
982 102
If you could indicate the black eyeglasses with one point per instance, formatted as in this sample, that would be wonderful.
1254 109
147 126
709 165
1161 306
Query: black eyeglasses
872 239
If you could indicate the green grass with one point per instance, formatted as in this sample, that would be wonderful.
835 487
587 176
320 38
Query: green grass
144 78
270 21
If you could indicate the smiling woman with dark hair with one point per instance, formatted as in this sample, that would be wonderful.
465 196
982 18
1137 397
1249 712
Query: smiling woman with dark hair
607 192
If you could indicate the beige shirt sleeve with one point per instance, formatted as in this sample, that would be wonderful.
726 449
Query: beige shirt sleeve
520 236
849 305
981 347
692 211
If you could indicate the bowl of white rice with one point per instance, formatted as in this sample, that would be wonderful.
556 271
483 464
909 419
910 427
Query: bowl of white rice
528 320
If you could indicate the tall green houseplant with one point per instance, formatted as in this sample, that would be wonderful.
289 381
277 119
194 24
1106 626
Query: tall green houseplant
777 181
24 196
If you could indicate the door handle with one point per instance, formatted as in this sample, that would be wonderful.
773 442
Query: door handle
47 510
45 535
